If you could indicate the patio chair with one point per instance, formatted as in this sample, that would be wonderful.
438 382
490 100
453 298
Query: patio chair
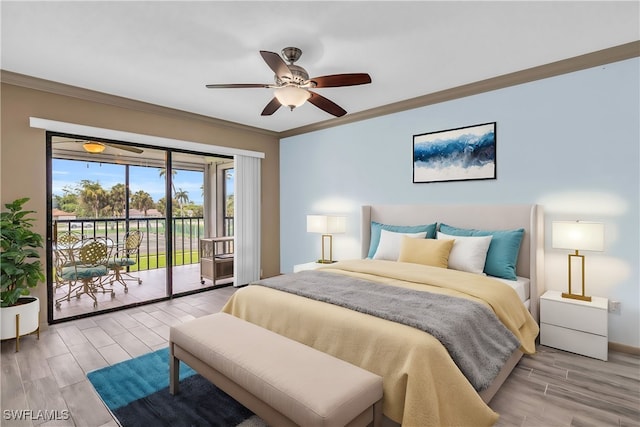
125 257
63 241
62 258
83 266
67 239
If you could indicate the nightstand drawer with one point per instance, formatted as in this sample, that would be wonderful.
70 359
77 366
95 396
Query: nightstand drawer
573 315
595 346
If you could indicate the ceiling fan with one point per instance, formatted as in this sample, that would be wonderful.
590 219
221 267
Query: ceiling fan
95 147
292 83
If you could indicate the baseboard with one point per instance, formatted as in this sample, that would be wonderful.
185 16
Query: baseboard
623 348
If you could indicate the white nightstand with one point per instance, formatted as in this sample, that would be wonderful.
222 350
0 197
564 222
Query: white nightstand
308 266
573 325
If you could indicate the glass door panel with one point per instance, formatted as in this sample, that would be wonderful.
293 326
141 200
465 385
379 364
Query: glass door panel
189 224
147 222
111 196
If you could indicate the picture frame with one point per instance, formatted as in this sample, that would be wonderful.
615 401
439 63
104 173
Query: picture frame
459 154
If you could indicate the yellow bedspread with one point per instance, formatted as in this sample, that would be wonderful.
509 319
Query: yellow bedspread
422 384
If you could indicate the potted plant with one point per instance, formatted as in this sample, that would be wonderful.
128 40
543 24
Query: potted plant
21 270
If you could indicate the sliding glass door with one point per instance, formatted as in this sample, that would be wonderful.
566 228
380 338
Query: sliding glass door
189 224
146 205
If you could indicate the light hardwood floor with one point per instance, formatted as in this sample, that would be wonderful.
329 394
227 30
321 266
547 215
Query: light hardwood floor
551 388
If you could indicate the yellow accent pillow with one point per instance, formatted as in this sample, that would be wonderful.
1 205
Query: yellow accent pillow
425 251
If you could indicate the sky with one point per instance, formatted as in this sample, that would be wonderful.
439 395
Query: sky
70 173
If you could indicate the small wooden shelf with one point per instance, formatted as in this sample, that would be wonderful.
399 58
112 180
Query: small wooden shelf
216 258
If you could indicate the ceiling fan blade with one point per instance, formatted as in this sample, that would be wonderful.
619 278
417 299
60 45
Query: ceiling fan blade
271 107
276 63
238 86
336 80
325 104
124 147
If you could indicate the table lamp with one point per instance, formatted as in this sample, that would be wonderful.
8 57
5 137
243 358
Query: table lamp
577 236
327 225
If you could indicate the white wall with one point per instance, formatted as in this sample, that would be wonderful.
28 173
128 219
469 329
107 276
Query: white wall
569 143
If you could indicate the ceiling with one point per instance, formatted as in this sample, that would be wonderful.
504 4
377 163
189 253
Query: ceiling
165 52
72 149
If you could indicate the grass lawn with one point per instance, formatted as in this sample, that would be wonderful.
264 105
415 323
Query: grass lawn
148 262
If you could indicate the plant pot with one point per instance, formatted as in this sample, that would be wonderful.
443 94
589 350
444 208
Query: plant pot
25 315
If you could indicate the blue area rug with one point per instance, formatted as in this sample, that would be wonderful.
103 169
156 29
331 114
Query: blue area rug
136 392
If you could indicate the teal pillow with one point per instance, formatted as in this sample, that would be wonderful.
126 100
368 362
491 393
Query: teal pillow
502 255
430 229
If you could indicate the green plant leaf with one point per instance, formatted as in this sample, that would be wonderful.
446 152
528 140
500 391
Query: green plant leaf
19 257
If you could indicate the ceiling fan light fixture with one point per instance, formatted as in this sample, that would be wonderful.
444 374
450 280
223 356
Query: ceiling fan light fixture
93 147
291 96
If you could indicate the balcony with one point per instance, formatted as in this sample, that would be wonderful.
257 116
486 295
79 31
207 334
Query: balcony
151 261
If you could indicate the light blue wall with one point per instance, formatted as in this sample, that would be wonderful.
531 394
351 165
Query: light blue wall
569 143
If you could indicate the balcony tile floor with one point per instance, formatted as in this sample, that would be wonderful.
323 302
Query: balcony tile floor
185 278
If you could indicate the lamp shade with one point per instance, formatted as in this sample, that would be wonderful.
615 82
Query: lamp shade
291 96
326 224
93 147
577 235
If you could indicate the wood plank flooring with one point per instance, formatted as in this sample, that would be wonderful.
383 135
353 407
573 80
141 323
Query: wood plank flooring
551 388
556 388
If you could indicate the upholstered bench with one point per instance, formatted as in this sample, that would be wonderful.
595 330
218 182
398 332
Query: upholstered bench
284 382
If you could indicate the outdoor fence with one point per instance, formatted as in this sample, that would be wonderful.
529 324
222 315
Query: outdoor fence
187 232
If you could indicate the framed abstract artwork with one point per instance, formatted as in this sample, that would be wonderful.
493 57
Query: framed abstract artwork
455 154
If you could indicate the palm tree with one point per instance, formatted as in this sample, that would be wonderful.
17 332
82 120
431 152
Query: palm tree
174 172
182 197
93 196
117 198
161 205
229 209
142 200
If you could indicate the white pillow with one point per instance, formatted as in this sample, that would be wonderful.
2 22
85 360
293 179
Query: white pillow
390 242
468 253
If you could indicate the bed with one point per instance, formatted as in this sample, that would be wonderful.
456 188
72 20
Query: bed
423 385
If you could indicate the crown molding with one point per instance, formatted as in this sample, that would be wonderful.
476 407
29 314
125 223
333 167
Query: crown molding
577 63
36 83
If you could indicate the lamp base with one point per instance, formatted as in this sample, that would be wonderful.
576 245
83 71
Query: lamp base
574 296
325 261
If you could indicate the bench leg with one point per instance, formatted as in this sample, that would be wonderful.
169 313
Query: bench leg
377 413
174 372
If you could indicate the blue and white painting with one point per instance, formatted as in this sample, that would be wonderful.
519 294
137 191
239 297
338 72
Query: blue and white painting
455 154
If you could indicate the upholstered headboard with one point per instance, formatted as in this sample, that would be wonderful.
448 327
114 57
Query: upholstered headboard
484 217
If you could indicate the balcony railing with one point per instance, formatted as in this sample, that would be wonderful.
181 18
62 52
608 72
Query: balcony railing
187 232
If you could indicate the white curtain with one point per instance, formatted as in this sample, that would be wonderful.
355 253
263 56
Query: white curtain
247 220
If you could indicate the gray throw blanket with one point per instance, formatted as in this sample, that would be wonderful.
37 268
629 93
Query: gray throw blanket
472 334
